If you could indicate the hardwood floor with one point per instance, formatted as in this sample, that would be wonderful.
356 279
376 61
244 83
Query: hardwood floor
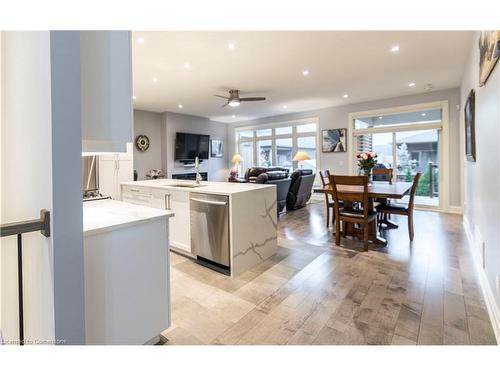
313 292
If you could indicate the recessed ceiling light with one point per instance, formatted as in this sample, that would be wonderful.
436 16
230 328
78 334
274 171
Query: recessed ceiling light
411 84
345 96
231 46
305 72
134 97
187 66
155 80
285 106
233 116
395 49
180 105
380 117
424 114
140 40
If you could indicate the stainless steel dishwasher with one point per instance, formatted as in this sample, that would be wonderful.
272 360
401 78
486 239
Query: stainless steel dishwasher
210 230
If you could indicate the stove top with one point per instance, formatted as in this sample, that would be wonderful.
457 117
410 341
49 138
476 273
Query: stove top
94 195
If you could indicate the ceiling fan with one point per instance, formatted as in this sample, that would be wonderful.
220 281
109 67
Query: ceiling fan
234 99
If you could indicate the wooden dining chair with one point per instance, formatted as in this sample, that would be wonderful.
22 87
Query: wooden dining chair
382 174
348 214
325 181
399 209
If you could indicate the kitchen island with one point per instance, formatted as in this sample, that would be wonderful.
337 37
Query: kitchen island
127 283
252 216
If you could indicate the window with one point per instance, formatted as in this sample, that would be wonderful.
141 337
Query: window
306 128
283 130
399 119
277 145
246 153
246 134
264 132
408 143
264 149
284 153
308 145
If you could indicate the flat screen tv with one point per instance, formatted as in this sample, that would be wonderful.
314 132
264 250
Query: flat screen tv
188 146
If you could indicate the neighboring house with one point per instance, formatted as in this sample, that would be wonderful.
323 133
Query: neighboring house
422 147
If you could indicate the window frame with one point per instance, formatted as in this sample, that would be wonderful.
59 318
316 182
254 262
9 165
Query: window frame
273 126
443 131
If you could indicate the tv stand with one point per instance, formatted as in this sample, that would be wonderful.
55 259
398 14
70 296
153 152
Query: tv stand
190 176
189 162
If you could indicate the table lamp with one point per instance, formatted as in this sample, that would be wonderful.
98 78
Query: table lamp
236 160
300 157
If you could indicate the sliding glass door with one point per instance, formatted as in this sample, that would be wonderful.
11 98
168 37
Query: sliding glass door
409 143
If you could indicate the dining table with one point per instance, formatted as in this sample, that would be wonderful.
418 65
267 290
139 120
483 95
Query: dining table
379 191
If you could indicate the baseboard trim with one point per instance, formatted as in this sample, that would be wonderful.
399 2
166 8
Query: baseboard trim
489 299
455 210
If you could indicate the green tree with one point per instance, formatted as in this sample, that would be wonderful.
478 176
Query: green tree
408 176
423 184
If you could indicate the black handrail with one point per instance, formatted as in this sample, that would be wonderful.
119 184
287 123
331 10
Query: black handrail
18 228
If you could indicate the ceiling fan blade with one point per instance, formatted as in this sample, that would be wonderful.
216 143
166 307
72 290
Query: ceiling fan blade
223 97
252 99
224 105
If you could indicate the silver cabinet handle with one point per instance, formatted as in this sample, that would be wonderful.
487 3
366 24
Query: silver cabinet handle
167 201
208 202
135 190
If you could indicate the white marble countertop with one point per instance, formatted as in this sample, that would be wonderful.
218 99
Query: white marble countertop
108 214
206 187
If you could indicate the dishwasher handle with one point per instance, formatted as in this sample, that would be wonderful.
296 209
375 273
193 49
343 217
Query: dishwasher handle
208 202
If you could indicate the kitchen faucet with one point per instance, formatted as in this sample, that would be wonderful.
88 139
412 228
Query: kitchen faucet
197 168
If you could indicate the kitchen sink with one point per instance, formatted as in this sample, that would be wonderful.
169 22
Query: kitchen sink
184 184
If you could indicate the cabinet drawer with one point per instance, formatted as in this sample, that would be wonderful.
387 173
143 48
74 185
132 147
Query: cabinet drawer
136 190
144 200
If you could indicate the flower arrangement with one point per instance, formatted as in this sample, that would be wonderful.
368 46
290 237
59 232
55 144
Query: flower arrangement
366 161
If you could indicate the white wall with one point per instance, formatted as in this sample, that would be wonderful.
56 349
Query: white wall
337 117
482 178
41 169
176 122
26 179
150 124
67 209
1 336
161 129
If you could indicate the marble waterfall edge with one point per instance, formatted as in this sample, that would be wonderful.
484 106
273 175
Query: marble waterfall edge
254 230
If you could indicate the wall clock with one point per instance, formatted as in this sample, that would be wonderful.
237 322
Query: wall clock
142 142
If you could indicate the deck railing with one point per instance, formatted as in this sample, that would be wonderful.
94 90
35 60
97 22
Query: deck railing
18 229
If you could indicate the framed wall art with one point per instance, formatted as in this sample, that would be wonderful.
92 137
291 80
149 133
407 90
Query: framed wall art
216 150
489 52
470 129
334 140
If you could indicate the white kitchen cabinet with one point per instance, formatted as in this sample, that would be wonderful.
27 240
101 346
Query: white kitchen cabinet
115 169
127 273
106 90
178 202
138 195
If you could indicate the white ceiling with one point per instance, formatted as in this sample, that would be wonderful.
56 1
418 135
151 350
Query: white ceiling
270 63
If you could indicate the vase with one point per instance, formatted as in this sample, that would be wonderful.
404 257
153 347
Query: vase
367 172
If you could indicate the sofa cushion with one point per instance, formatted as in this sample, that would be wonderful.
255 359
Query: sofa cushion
277 175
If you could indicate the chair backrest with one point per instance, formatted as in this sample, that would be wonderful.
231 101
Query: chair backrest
325 177
413 190
354 189
325 181
302 181
382 174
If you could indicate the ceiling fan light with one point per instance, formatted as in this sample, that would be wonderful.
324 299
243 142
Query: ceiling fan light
234 103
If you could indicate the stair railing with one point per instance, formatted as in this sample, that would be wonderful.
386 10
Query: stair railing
18 229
